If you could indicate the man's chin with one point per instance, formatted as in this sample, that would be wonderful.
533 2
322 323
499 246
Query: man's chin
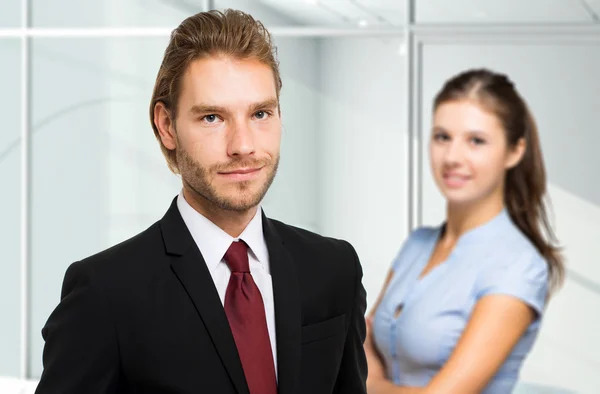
239 203
238 206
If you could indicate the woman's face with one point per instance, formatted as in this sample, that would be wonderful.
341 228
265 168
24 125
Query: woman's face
469 153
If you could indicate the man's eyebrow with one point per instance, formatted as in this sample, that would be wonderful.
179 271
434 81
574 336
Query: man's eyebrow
206 108
270 103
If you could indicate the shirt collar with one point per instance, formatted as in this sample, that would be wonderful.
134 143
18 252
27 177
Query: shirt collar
254 237
485 231
213 242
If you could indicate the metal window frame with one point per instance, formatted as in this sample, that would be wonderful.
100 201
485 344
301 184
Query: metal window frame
25 189
415 36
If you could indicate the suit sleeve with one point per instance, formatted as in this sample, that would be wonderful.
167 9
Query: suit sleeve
352 375
80 352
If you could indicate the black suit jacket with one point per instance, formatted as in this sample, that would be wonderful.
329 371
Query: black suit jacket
145 317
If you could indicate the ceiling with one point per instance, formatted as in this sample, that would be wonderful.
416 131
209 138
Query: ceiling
392 12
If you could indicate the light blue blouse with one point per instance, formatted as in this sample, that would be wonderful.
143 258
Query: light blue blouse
495 258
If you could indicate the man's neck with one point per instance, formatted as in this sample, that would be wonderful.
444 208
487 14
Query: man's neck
232 222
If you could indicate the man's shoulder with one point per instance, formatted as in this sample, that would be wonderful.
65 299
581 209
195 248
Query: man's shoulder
308 241
131 251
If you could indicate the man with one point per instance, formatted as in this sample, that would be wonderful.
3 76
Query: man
214 297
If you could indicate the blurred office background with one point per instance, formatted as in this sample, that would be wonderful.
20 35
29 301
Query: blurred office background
81 170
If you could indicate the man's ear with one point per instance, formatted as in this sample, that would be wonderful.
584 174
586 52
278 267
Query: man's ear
165 126
516 153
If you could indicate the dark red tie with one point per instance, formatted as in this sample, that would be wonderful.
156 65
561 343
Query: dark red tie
246 314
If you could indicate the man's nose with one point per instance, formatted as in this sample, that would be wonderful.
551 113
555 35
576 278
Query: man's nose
241 142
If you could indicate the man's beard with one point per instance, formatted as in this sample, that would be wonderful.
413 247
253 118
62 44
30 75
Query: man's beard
198 179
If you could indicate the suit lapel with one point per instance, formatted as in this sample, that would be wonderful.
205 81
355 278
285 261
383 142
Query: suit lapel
288 319
191 270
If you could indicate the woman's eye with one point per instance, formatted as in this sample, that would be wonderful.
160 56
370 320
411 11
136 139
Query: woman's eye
440 137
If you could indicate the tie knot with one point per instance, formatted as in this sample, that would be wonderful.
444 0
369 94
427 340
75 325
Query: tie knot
237 257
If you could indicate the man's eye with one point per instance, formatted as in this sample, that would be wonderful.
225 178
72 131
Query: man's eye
262 114
210 118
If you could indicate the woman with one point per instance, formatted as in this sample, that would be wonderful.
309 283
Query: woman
462 303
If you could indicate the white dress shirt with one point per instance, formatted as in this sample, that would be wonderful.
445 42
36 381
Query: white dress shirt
213 242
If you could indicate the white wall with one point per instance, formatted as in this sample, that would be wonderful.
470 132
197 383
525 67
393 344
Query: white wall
113 13
561 84
362 145
11 14
69 167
